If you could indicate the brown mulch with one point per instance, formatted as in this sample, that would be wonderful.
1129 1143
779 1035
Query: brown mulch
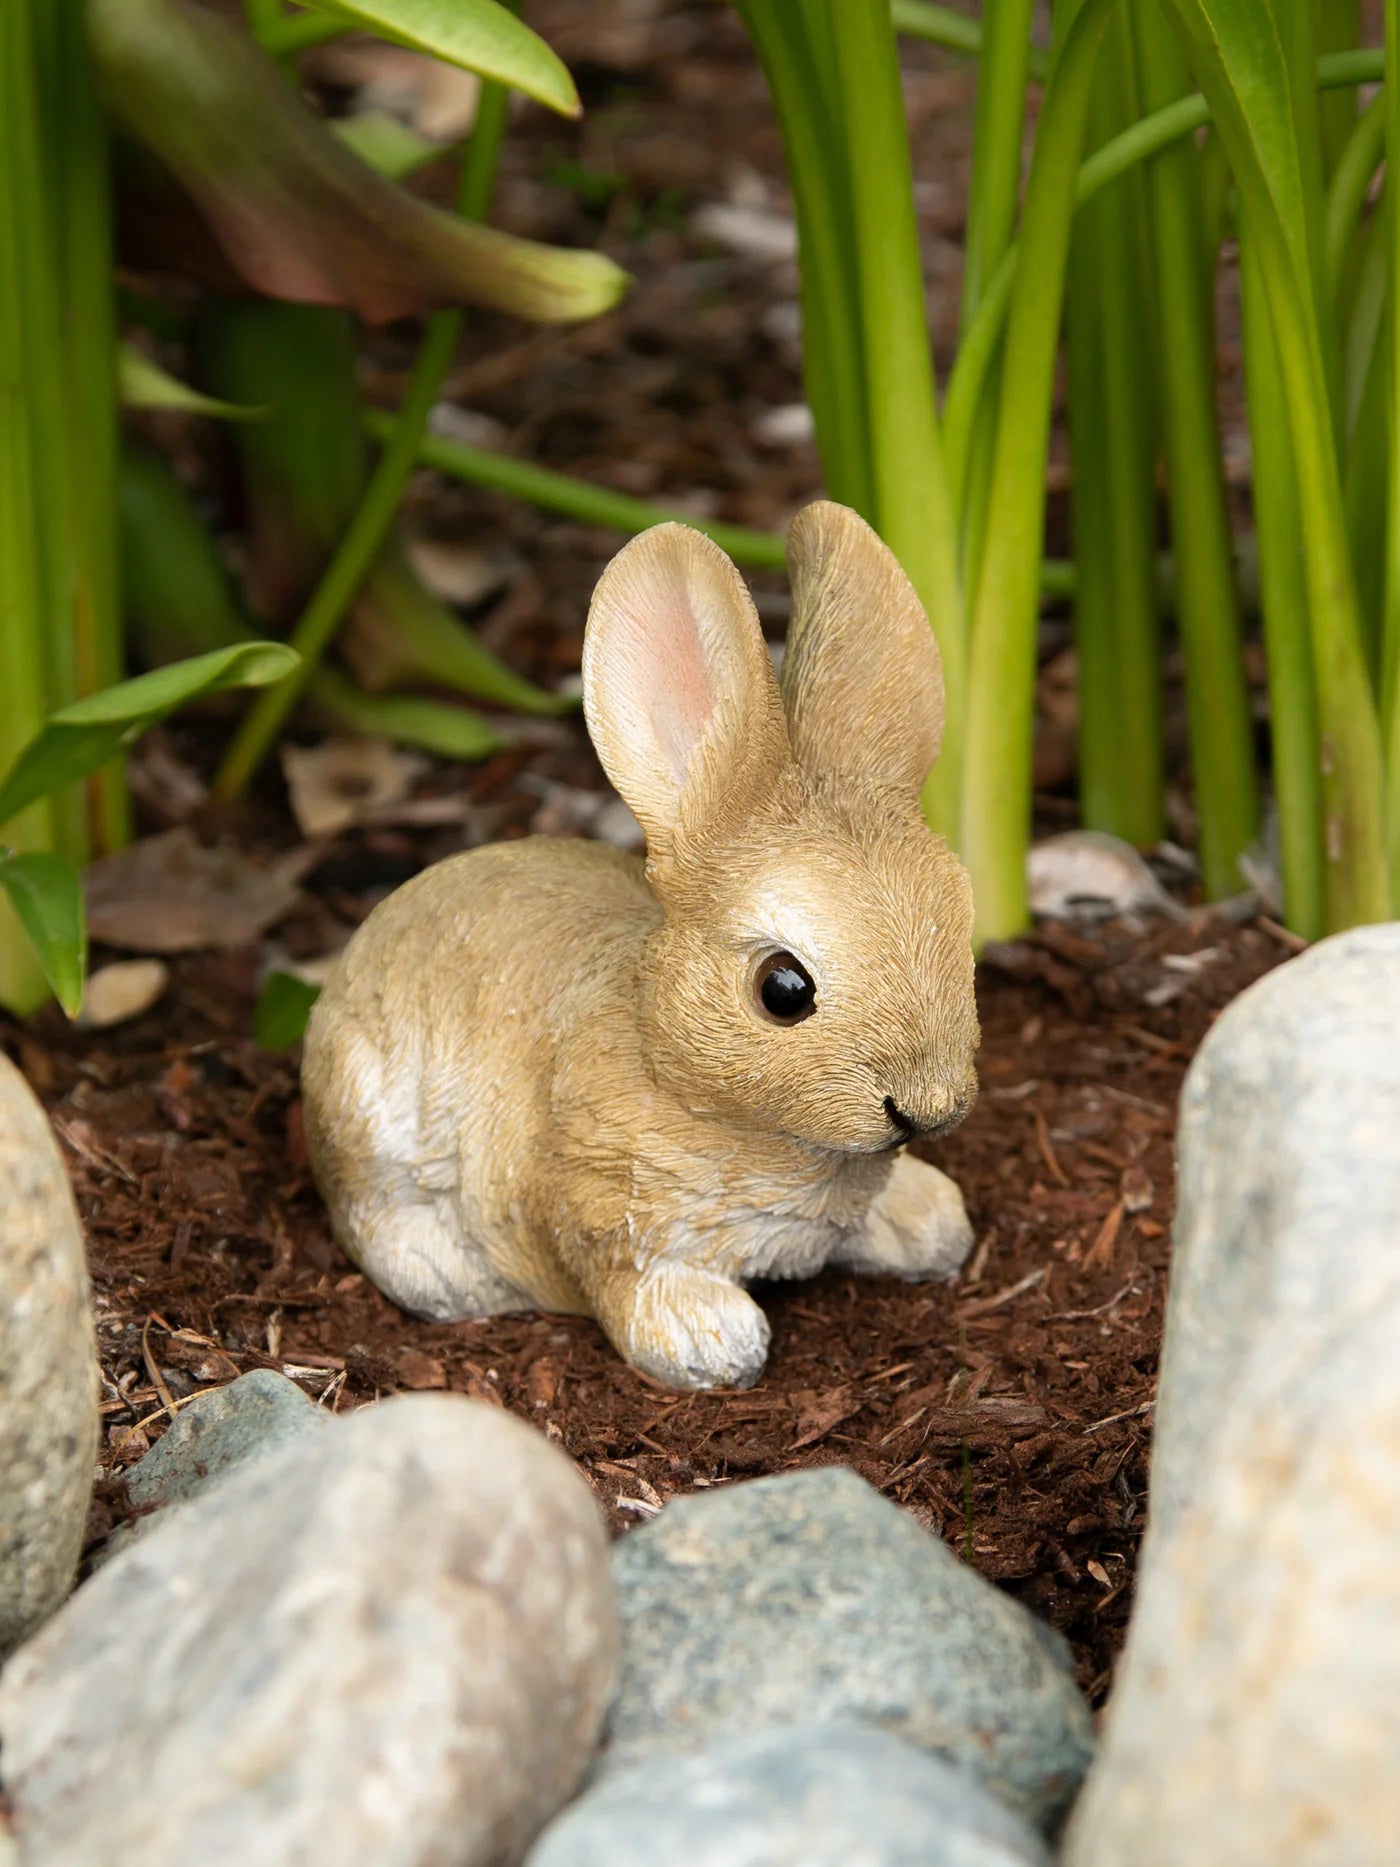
1011 1411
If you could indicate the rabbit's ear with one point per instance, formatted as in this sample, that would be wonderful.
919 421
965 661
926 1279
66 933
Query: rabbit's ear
862 678
678 688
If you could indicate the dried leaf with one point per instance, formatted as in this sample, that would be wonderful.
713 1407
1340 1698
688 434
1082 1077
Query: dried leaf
461 574
1086 875
343 781
417 1369
167 894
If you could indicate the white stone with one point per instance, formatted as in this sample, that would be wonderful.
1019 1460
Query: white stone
1256 1715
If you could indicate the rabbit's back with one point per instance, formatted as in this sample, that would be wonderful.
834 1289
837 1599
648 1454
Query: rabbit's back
432 1058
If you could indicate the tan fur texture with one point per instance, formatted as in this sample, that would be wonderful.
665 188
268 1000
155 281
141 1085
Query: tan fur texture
541 1075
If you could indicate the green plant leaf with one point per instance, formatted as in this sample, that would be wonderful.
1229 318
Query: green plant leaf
283 1007
476 34
296 212
144 384
46 893
79 738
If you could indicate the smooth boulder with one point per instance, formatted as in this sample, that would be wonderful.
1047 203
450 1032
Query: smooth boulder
1256 1714
48 1368
809 1597
389 1644
825 1795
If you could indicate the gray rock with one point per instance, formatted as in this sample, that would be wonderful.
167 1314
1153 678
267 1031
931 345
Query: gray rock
824 1795
214 1435
220 1431
388 1644
1256 1716
810 1597
48 1369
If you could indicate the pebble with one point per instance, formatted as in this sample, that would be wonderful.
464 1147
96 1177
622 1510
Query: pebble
1256 1715
48 1368
210 1436
809 1597
824 1795
387 1644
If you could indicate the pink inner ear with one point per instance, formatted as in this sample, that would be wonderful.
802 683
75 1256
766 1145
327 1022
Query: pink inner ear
684 696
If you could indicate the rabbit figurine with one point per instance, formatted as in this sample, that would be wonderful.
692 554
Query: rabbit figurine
545 1074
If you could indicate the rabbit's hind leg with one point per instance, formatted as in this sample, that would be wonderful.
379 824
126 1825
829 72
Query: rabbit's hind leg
684 1326
415 1252
917 1226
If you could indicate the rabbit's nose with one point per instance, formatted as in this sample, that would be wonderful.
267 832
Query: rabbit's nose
927 1124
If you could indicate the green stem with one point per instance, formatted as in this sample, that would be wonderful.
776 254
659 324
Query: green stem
1217 698
573 498
1366 453
375 514
1282 576
785 34
1338 28
81 184
998 139
1352 175
289 33
264 17
1160 130
955 32
1001 690
1113 443
914 510
1390 622
25 585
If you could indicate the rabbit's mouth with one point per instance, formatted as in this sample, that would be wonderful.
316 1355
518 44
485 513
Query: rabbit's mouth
908 1128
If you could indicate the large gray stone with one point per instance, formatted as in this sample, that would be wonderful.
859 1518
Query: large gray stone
1256 1717
388 1644
810 1597
48 1369
824 1795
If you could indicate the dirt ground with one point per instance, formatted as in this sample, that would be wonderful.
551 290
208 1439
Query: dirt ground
1011 1410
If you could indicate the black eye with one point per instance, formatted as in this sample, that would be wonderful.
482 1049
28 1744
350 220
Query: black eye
785 988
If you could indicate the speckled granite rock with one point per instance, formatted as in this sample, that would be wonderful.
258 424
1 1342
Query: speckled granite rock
48 1368
816 1795
809 1597
1256 1715
388 1644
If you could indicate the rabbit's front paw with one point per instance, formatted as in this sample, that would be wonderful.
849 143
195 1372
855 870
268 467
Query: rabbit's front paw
916 1228
686 1327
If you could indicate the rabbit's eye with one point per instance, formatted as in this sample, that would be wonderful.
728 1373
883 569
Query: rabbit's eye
785 988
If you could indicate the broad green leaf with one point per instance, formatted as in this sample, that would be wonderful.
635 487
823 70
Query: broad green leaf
144 384
477 34
283 1007
46 893
81 737
296 212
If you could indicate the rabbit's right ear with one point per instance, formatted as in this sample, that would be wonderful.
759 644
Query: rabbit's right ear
678 688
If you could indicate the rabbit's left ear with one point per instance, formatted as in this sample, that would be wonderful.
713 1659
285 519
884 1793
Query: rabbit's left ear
862 679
